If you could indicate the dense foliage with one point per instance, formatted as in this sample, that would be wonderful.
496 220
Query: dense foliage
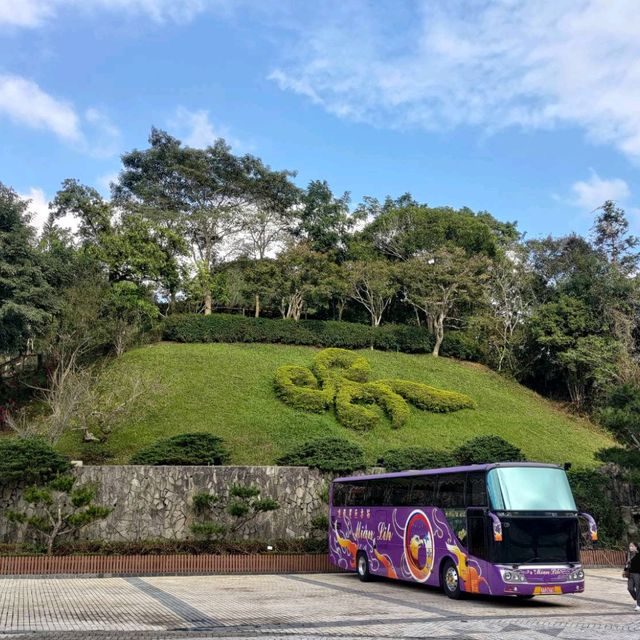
416 458
593 493
485 449
335 455
184 449
29 461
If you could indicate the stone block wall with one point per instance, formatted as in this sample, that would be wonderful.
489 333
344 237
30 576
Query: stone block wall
153 503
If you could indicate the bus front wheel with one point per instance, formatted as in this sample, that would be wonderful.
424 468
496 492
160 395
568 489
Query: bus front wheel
450 580
362 565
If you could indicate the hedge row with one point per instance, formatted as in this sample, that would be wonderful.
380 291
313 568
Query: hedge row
219 327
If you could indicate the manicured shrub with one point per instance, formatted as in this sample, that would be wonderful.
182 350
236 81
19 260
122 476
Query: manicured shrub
393 404
627 458
351 406
298 387
29 461
485 449
416 458
335 363
335 455
220 327
184 449
463 346
429 398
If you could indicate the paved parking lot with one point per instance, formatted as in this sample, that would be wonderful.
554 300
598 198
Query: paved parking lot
300 607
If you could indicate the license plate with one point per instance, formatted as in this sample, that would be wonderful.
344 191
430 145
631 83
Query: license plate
548 590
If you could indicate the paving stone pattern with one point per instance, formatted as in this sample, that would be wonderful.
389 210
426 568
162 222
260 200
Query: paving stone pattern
299 607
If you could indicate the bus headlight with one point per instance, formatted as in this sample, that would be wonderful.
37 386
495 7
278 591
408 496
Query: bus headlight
509 575
578 574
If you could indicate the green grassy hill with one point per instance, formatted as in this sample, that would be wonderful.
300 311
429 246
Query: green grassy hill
227 390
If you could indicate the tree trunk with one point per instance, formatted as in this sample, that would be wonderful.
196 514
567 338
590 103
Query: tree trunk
208 303
257 313
439 330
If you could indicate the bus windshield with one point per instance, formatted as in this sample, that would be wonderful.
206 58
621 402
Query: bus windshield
530 489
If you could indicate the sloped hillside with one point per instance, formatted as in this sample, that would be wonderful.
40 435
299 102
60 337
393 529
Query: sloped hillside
227 390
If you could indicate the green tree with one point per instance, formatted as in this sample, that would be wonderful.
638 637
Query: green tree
302 277
411 230
440 283
373 284
27 300
129 247
324 221
205 195
219 517
61 509
611 237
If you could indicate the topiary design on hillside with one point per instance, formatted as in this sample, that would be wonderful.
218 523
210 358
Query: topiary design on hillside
341 379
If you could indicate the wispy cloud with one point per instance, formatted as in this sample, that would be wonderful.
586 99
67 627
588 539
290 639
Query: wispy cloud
592 193
24 103
488 65
195 129
36 13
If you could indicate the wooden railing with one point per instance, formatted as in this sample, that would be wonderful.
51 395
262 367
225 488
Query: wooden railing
209 564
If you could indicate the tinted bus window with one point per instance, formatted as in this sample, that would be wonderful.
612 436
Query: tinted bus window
451 490
374 493
476 495
423 490
356 495
398 493
339 494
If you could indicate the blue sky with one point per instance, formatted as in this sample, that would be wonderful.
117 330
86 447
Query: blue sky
528 110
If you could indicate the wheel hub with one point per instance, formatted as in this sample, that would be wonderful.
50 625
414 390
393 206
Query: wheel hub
451 578
362 565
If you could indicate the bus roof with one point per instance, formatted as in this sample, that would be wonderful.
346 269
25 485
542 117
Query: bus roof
425 472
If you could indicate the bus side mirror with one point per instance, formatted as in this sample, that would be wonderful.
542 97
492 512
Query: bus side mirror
497 527
593 527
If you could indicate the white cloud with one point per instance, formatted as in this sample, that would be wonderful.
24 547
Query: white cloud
488 65
195 129
592 193
36 13
24 103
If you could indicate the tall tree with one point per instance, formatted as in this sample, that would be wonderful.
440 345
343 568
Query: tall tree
204 194
373 285
27 301
324 222
128 247
611 236
441 282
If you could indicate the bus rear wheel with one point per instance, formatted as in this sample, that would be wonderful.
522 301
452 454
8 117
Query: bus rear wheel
450 580
362 566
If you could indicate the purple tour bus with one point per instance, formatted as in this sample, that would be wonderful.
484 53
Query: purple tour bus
502 529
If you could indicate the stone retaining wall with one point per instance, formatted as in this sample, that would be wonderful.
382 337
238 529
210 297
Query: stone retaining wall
152 503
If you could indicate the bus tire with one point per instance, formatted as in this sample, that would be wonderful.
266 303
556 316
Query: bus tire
450 580
362 566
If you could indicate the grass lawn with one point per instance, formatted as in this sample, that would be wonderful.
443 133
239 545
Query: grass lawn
227 390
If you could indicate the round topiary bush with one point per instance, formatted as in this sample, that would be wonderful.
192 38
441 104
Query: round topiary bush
184 449
416 458
327 454
485 449
29 461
